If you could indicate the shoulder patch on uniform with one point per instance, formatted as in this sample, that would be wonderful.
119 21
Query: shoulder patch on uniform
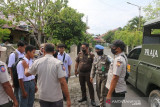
2 68
119 59
118 63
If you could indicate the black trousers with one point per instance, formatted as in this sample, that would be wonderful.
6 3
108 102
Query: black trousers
51 104
9 104
83 79
117 98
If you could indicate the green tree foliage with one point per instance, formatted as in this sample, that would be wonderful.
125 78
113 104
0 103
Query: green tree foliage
109 36
133 24
4 33
68 27
152 11
33 12
129 33
130 38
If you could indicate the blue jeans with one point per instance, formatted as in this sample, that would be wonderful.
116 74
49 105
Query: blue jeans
29 87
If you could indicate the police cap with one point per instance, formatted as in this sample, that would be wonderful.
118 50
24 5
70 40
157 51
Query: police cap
99 47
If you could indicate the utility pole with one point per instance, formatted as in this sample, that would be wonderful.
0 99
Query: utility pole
87 20
139 8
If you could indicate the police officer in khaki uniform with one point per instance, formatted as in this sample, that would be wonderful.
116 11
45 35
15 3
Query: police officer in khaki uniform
116 83
100 69
51 79
83 67
5 87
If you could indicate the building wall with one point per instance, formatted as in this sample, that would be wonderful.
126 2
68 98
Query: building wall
16 35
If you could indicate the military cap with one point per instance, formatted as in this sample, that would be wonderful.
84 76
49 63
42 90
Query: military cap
99 47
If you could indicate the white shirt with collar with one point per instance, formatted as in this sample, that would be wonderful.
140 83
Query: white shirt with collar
20 70
12 56
118 67
67 61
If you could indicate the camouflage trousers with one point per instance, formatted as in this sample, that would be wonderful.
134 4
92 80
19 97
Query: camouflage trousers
101 89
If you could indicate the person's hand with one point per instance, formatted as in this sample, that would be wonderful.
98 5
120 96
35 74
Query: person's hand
108 97
91 80
63 68
24 95
25 65
15 103
68 103
76 73
36 88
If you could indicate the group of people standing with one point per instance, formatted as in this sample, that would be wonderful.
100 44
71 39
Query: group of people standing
51 69
110 74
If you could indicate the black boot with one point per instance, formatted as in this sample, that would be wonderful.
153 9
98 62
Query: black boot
83 99
93 103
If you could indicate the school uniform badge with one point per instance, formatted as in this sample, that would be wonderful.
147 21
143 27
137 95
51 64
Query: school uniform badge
2 68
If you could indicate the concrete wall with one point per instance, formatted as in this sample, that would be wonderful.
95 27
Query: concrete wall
73 55
4 55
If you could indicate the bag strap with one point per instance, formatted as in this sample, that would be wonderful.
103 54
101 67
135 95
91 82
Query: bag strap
64 57
16 55
125 59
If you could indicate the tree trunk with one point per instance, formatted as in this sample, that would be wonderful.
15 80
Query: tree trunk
127 50
39 38
36 40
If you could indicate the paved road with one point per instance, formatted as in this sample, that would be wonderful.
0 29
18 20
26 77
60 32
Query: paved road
133 96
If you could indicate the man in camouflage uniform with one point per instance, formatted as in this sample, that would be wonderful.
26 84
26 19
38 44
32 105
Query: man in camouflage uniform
100 69
39 54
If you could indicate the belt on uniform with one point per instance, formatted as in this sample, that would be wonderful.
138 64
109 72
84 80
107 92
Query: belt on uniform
102 75
29 80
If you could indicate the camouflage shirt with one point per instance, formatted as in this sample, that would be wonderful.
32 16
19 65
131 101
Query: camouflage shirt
100 65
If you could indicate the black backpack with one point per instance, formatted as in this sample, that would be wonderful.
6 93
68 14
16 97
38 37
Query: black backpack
16 57
14 73
127 73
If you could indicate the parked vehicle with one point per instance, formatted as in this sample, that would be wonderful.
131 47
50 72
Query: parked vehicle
144 63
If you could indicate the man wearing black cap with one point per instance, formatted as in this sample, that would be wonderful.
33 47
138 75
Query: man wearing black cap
116 83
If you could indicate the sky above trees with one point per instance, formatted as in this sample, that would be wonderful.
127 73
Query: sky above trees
104 15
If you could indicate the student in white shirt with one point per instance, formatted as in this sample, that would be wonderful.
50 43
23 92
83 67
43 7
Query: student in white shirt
13 57
66 59
27 84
